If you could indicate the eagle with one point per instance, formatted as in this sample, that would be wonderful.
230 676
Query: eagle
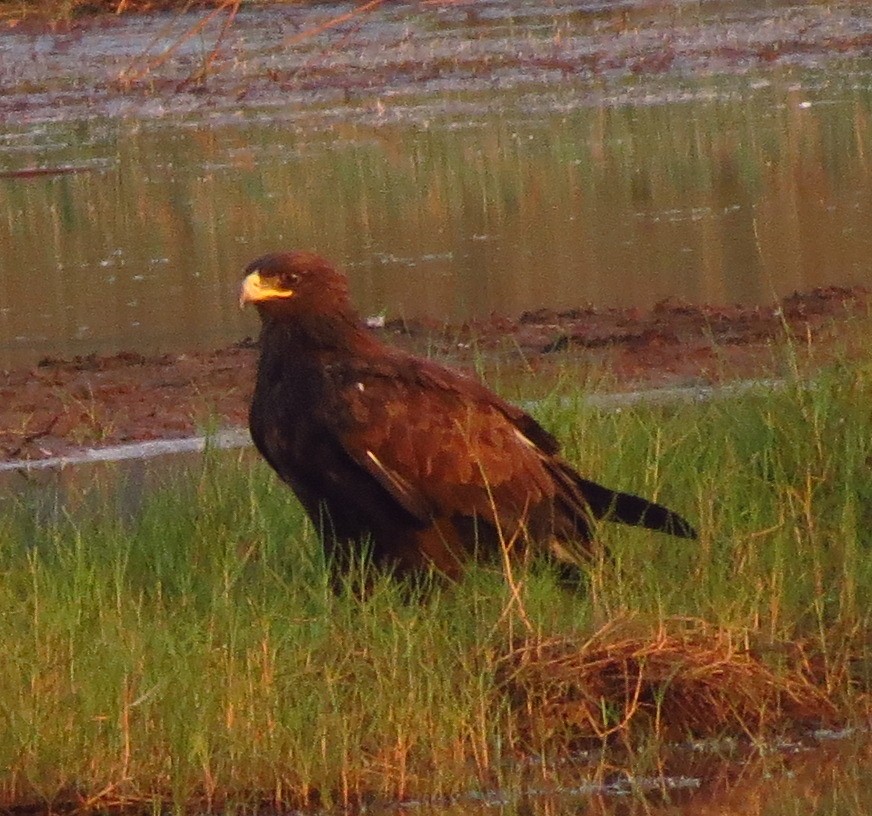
416 464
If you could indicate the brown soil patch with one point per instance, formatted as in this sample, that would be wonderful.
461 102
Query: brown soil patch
60 406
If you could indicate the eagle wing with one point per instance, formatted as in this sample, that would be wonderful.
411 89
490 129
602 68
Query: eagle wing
440 443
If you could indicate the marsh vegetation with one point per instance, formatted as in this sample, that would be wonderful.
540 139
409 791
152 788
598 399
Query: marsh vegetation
192 655
184 652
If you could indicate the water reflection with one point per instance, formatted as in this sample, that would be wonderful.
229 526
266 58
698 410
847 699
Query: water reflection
830 779
709 189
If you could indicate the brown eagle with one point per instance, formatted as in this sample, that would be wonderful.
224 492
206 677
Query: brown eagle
426 465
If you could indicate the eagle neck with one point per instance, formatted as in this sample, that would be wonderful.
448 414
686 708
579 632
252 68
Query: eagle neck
338 333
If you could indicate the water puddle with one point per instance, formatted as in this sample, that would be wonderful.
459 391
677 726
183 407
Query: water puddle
832 776
455 160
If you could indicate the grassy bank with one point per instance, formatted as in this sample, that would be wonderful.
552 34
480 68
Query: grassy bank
191 653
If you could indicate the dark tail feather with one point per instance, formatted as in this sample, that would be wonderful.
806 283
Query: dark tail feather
612 505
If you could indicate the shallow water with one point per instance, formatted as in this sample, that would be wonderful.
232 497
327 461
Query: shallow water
455 160
794 780
831 777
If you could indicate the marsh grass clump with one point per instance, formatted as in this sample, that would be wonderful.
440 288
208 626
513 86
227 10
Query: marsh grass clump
684 680
186 651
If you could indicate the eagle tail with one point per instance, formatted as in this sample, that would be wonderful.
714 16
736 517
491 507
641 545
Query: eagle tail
625 508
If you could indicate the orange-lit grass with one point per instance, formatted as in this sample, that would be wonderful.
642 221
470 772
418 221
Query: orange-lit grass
681 678
188 653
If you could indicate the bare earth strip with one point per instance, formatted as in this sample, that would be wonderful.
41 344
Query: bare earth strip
61 406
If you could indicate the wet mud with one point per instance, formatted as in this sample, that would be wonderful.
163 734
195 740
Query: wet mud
60 406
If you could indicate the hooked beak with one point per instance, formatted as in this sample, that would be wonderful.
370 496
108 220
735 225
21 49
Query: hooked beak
254 290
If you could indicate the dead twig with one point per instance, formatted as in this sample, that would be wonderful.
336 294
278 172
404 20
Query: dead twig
314 31
200 75
27 439
136 70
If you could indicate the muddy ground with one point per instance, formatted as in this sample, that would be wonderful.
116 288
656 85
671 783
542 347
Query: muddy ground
60 406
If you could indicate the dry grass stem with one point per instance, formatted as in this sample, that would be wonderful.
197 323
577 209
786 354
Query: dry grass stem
142 64
687 679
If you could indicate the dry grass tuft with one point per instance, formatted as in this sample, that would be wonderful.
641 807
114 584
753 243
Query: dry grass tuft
686 679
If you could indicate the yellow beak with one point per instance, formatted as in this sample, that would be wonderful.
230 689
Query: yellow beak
254 290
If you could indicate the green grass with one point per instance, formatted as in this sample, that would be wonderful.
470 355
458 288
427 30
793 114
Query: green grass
193 655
